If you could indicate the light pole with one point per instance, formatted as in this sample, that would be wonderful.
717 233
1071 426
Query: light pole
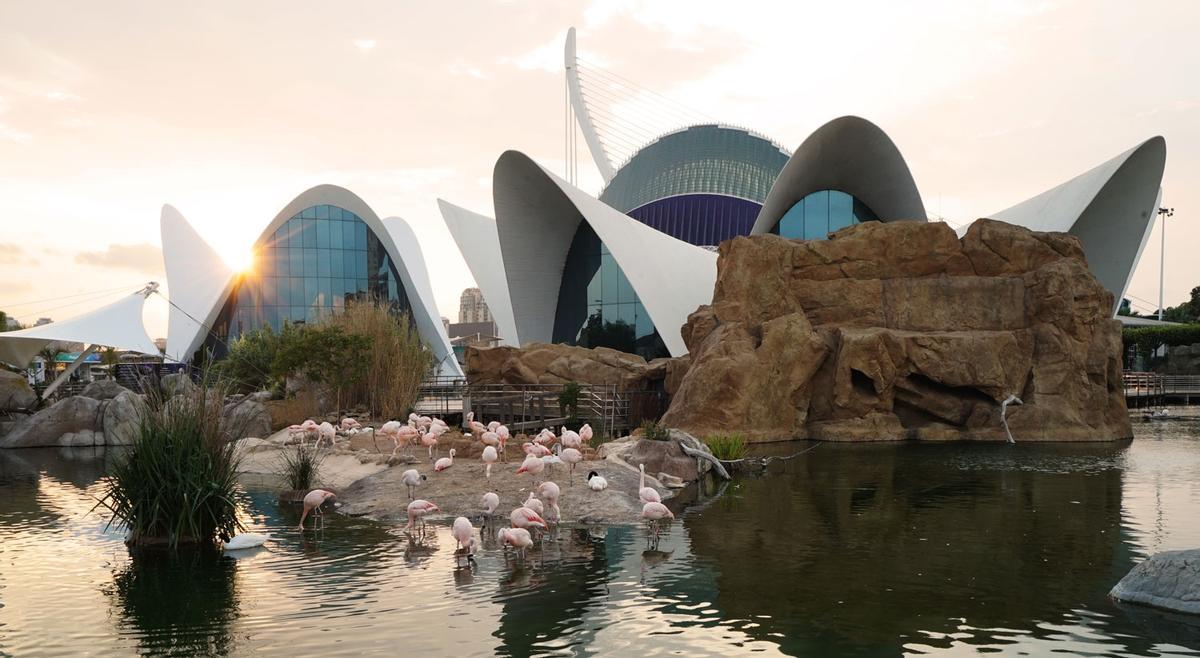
1164 213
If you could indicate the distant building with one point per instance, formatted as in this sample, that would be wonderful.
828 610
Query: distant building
42 321
472 308
446 323
11 323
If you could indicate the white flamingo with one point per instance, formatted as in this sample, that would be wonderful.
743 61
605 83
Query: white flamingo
463 534
489 457
550 492
418 509
444 463
491 501
534 504
572 457
412 479
325 432
647 494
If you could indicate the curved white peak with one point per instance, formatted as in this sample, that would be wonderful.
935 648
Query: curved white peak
410 264
198 281
117 325
537 214
852 155
479 242
1110 208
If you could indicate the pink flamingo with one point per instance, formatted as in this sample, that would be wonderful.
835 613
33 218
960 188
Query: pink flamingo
570 439
585 433
476 428
523 517
535 449
550 492
417 509
313 500
412 479
493 425
404 436
504 435
489 458
533 466
444 463
325 432
390 430
518 538
572 457
462 533
647 494
491 439
349 423
534 504
429 440
654 514
491 501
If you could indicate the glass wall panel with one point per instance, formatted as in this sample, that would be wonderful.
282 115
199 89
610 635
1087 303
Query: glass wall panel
820 213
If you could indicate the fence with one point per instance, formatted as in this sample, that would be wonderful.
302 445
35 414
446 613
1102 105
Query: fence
1153 388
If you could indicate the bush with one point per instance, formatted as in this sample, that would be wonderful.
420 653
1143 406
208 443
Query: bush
727 447
655 432
395 359
248 365
568 400
178 482
1147 340
300 468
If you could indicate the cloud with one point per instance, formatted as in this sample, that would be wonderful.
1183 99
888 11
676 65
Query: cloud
10 253
142 257
365 44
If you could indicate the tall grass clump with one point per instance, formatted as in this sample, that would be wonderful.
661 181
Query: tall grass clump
655 432
395 364
177 484
299 468
727 447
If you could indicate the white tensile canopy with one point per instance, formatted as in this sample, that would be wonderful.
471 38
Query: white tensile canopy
117 325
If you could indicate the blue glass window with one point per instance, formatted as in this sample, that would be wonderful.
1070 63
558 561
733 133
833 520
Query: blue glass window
820 213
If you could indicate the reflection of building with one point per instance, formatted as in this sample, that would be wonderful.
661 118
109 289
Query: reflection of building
324 249
471 307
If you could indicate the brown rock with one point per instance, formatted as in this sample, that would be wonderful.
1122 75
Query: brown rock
15 392
542 363
914 334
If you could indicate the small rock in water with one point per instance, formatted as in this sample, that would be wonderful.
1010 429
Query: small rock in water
1169 580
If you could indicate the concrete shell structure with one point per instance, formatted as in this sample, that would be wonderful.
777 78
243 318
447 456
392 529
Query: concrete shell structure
537 215
1110 208
851 155
202 289
479 241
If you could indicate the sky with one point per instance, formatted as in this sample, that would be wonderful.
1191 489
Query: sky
228 110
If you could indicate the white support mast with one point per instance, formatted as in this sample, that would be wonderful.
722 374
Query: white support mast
580 112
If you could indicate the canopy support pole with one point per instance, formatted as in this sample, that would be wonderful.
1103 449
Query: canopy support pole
91 349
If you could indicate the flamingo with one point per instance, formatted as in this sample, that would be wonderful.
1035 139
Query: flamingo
596 482
534 504
570 439
303 430
412 479
489 458
462 531
429 439
544 437
518 538
444 463
523 517
390 430
404 435
503 434
325 432
550 492
476 428
654 513
532 465
417 509
493 425
349 423
585 433
647 494
491 500
535 449
491 438
572 457
313 500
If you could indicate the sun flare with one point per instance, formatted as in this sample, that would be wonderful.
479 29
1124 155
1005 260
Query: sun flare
238 260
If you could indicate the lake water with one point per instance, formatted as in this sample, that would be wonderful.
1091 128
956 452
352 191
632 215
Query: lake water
871 550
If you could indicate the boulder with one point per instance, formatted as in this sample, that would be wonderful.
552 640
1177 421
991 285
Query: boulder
542 363
1181 360
75 419
1169 580
105 389
177 383
247 418
122 418
659 457
15 392
902 330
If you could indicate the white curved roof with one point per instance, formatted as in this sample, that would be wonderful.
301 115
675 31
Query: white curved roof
118 325
537 214
854 156
198 281
477 239
1110 208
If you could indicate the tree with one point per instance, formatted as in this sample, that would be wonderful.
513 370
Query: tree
1126 309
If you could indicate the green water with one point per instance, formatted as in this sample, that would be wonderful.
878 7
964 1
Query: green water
873 550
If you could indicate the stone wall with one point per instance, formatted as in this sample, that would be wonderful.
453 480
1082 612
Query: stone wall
904 331
542 363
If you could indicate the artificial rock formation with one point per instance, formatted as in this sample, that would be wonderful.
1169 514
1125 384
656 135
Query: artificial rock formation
904 331
15 392
543 363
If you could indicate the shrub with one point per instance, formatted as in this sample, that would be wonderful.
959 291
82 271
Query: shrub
248 365
1148 339
568 399
394 364
178 482
300 468
727 447
655 432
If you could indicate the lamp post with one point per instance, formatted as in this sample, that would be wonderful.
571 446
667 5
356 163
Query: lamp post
1164 213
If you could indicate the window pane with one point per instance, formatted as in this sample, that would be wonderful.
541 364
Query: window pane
323 262
322 233
310 290
284 291
335 235
841 210
310 262
308 230
335 260
348 235
297 295
360 235
322 212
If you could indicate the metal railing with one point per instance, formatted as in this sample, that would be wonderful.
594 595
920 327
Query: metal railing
1140 386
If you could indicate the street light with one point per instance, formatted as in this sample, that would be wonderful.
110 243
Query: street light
1162 257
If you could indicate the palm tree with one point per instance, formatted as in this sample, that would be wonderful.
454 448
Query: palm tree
48 354
109 359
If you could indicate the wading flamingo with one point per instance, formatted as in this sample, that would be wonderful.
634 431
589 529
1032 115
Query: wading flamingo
412 479
655 514
550 492
534 504
523 517
518 538
444 463
491 500
489 458
596 482
647 494
417 509
313 500
462 533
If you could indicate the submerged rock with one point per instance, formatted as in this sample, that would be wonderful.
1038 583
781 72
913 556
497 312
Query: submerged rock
901 330
1169 580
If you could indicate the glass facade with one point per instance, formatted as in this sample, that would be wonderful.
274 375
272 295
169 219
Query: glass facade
311 265
821 213
596 303
707 159
700 219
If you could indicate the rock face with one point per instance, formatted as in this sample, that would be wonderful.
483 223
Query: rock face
177 383
69 422
542 363
247 418
1181 360
105 389
1169 580
904 331
15 392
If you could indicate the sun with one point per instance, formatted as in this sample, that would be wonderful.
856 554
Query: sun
240 260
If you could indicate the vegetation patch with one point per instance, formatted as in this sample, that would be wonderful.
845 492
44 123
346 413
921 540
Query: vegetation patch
655 432
300 467
727 447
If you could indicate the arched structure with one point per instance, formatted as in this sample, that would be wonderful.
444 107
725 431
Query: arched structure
477 239
538 216
1110 208
324 247
850 155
